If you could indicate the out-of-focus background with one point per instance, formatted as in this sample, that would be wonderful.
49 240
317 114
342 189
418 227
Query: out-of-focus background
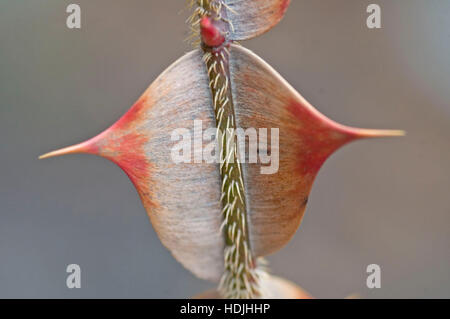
380 201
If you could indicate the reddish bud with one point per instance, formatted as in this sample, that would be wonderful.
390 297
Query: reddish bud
211 35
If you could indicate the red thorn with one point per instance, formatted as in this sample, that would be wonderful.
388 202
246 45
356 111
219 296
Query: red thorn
373 133
91 146
88 146
211 35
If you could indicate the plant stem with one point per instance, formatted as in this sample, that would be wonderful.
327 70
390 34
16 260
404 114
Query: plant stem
240 278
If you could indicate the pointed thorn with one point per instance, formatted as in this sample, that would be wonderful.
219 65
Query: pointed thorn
84 147
370 133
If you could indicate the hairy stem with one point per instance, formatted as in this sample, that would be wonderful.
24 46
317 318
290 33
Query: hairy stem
240 279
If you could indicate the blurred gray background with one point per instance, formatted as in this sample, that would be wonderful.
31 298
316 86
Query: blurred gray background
378 201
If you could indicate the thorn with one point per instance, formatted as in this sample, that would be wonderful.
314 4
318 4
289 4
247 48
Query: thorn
369 133
84 147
